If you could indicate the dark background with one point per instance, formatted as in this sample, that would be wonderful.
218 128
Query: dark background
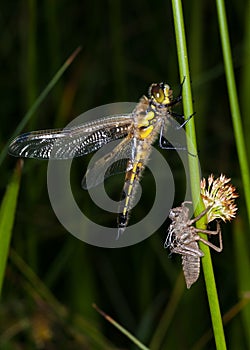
126 45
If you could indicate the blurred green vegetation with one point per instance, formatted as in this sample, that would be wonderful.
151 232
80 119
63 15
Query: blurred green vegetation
52 278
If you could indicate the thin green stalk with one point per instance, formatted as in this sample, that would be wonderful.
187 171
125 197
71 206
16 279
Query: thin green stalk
115 18
39 100
168 314
243 280
31 53
195 174
79 327
7 216
244 90
121 329
234 103
227 317
242 267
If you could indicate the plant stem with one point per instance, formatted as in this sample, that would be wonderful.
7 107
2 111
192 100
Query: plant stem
39 100
7 217
234 103
195 174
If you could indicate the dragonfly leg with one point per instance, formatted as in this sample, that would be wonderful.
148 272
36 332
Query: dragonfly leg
208 232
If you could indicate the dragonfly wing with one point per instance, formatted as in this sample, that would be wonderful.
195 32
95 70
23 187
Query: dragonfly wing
36 144
172 136
114 162
71 142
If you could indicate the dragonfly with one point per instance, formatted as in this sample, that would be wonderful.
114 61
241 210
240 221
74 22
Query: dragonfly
137 130
183 239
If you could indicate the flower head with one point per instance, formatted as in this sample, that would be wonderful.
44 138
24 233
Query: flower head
220 195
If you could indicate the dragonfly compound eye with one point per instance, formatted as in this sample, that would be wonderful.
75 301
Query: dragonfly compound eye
157 93
160 94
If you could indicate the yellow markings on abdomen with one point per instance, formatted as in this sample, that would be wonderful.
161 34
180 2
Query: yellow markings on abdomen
128 190
131 176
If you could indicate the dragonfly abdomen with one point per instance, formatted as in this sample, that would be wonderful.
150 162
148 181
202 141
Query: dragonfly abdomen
128 193
191 266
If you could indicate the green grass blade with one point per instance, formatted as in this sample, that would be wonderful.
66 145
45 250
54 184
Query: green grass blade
79 326
195 175
234 103
39 100
121 329
245 74
241 253
167 315
7 216
31 52
243 268
118 64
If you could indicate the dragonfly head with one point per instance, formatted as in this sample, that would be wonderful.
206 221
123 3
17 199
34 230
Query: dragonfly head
179 214
160 95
